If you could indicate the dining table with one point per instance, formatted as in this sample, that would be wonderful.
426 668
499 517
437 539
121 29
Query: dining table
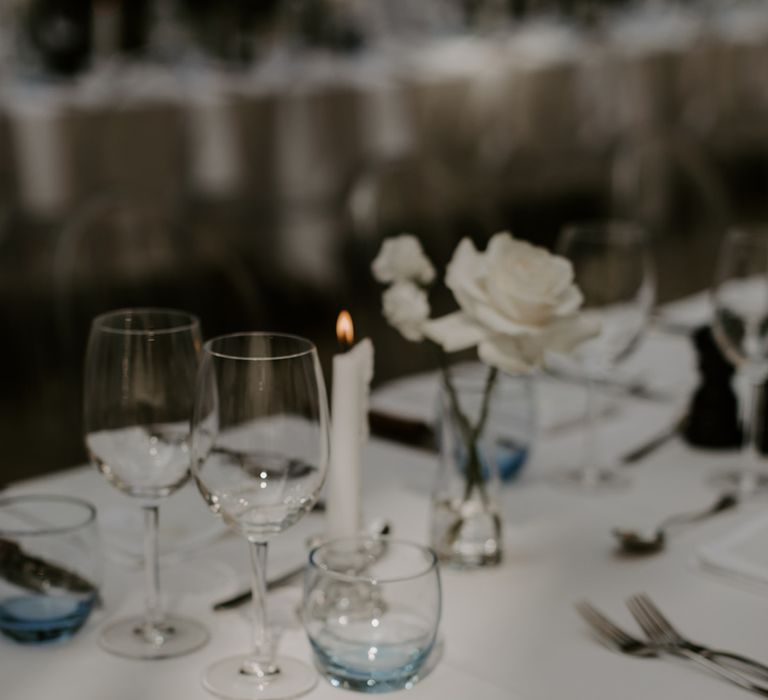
509 631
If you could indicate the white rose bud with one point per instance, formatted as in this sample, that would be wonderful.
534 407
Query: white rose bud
402 259
406 308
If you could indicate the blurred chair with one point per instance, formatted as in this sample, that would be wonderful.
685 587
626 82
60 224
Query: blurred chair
113 251
117 250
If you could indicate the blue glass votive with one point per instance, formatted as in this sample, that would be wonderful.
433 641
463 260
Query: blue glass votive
48 567
38 619
371 610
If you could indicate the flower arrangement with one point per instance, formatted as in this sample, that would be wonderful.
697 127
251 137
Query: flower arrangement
517 302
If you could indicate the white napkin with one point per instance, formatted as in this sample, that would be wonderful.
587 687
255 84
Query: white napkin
741 554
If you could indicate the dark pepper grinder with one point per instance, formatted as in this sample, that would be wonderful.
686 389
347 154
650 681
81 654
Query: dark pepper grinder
713 416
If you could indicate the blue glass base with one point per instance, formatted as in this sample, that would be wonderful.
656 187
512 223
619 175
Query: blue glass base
511 459
383 679
40 619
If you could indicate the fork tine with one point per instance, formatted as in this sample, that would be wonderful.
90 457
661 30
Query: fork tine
648 621
657 615
602 625
645 620
596 625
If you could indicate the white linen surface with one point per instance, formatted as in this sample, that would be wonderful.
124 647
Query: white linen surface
741 555
510 631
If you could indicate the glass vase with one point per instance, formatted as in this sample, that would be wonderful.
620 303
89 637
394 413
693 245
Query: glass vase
485 425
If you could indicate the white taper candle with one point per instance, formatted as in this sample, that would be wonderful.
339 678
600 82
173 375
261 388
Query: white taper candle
352 373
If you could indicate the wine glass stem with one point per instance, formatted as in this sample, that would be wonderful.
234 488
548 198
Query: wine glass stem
261 662
153 611
592 452
751 438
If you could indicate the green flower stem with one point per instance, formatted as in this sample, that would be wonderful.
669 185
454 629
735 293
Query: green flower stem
490 382
471 434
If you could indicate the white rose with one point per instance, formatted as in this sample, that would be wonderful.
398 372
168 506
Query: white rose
402 258
406 308
517 301
523 353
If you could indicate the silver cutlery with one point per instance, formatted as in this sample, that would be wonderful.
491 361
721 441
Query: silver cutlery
613 636
36 574
660 630
616 638
653 443
652 541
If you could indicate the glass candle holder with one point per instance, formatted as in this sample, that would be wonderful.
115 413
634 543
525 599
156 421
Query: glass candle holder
49 569
372 609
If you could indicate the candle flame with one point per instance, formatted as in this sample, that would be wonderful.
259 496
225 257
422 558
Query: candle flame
345 331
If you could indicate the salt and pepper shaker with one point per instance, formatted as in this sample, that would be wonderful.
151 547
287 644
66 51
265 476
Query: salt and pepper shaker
713 416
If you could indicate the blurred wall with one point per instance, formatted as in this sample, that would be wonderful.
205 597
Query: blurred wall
257 195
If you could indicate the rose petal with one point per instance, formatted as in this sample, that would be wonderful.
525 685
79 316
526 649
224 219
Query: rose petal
511 355
526 283
464 275
564 335
454 332
536 273
498 323
570 301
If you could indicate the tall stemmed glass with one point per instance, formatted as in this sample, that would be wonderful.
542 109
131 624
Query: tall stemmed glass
259 456
740 327
612 267
139 385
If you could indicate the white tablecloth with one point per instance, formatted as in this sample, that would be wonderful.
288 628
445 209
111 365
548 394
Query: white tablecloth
509 631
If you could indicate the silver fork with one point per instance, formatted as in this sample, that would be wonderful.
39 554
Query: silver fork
661 630
613 636
616 638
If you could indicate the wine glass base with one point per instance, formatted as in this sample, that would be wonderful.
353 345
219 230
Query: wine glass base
225 679
741 481
591 480
178 636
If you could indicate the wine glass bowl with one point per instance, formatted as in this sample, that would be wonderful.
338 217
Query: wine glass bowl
139 380
740 328
613 269
259 458
140 370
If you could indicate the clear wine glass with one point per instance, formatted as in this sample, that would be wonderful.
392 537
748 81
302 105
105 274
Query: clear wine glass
259 457
612 267
139 386
740 328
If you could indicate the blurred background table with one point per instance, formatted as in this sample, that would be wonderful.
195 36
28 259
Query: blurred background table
244 163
